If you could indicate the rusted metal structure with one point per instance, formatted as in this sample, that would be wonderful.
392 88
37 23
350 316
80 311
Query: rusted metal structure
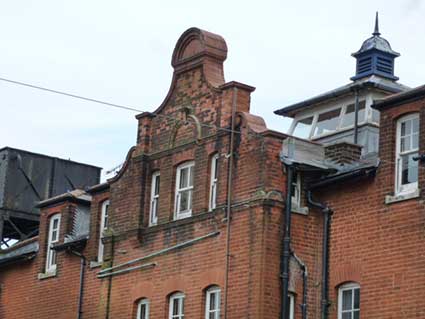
27 178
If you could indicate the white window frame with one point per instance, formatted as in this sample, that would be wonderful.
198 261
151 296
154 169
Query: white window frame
103 225
140 304
153 211
179 296
216 312
213 182
339 128
186 213
411 187
296 196
53 237
349 286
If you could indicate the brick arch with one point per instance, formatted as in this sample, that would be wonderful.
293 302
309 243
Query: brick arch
185 131
141 290
174 285
347 273
213 277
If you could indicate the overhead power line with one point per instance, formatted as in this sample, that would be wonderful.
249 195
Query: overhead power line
124 107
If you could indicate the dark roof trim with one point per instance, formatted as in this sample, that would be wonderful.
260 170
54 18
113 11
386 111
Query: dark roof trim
404 97
291 110
46 156
67 197
75 244
18 258
98 188
350 175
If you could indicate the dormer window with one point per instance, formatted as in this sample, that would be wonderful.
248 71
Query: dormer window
331 121
406 149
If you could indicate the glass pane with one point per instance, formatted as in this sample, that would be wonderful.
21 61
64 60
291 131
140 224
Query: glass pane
157 179
184 177
356 315
54 235
55 223
215 167
405 143
348 118
191 176
143 311
375 116
357 299
346 315
185 199
415 141
212 301
175 306
53 257
415 125
303 127
406 127
409 169
327 122
347 298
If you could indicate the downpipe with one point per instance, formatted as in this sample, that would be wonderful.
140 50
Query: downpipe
327 213
286 241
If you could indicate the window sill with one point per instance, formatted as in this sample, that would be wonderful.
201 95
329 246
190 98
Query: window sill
389 199
300 210
95 264
47 274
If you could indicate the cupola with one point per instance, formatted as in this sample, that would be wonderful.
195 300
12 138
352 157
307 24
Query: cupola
375 57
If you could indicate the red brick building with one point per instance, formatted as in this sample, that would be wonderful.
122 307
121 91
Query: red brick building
215 216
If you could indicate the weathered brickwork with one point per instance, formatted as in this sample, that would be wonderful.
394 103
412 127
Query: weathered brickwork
379 245
184 128
374 244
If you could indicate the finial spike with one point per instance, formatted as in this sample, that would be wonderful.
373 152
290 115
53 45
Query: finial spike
376 32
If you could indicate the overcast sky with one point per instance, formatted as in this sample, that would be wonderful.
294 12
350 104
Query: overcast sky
120 51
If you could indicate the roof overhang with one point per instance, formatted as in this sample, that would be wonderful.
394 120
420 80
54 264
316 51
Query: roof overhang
401 98
292 110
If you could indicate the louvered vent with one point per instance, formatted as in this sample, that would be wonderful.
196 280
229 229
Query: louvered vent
384 65
364 65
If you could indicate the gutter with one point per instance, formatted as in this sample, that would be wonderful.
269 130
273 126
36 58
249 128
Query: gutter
362 172
16 259
291 109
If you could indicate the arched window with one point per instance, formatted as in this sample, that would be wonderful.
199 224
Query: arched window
103 225
212 303
407 149
213 182
176 310
153 212
143 309
349 301
53 237
184 190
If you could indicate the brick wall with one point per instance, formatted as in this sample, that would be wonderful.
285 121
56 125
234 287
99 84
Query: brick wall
183 128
